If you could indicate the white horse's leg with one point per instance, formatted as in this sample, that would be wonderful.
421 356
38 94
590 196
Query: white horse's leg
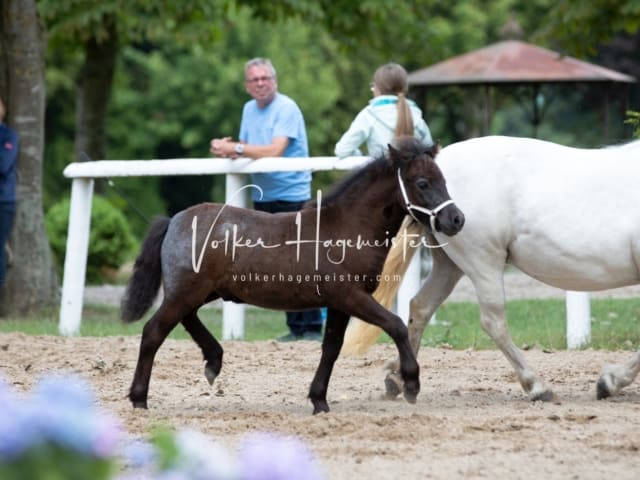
442 279
615 377
490 292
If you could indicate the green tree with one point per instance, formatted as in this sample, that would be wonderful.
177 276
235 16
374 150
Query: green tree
99 28
580 26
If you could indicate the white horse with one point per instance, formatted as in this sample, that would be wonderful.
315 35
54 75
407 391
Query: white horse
568 217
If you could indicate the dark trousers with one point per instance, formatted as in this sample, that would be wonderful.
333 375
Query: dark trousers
7 212
304 320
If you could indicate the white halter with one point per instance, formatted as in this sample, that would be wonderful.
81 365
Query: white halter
410 206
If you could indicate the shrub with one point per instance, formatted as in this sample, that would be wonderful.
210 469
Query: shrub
110 239
633 119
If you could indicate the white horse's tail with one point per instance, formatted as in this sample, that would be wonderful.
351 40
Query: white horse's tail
361 335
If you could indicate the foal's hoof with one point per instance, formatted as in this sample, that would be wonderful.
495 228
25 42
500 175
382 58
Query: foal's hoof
602 389
138 401
139 404
410 397
210 374
411 393
320 406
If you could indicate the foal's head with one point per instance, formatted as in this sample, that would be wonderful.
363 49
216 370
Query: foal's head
422 186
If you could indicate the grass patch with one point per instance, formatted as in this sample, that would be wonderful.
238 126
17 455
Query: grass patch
101 321
615 324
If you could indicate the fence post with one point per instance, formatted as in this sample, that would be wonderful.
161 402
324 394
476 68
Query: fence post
233 313
408 288
578 319
75 260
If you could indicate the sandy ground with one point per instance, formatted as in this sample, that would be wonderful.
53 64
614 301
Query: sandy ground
472 419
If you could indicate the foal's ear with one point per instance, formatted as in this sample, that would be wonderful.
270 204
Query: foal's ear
433 150
394 155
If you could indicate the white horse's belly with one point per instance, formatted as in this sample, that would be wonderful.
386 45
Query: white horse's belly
584 269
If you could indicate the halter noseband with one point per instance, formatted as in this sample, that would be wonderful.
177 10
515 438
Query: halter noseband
410 206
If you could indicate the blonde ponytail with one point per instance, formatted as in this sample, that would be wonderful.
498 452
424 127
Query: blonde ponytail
404 123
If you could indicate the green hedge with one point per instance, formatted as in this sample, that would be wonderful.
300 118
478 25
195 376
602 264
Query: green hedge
110 241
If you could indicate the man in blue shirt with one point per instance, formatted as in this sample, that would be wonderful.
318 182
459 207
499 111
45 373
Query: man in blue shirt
8 157
272 125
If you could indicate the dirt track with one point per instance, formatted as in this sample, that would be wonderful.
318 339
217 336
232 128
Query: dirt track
471 419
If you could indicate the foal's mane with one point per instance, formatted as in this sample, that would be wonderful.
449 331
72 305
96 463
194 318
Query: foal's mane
384 165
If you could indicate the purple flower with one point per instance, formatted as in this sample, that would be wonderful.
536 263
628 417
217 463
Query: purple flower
17 432
266 456
65 391
137 454
200 458
61 411
65 410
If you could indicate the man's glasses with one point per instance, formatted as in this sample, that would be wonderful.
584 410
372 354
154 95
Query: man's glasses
259 79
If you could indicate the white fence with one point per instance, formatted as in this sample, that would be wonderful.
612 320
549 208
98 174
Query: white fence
84 173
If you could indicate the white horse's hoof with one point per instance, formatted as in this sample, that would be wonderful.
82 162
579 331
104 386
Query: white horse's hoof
544 396
602 389
606 386
541 393
393 385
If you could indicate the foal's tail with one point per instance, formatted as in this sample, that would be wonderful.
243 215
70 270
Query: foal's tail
361 335
147 274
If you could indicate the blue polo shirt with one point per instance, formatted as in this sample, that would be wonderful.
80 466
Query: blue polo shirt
281 118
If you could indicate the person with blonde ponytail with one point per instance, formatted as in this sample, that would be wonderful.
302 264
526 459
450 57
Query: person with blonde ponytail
389 115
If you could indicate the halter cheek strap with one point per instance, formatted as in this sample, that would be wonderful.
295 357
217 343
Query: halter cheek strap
410 206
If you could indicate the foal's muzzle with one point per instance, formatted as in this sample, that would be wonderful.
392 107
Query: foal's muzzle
449 226
449 221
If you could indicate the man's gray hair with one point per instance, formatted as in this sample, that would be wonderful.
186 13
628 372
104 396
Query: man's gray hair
260 62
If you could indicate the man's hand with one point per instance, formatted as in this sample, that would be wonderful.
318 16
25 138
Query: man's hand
223 147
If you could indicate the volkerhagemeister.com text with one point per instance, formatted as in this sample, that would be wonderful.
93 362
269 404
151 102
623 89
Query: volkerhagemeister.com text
253 277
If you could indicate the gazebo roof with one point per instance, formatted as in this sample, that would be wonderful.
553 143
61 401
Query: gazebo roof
513 62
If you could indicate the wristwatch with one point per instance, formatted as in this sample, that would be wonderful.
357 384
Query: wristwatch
239 148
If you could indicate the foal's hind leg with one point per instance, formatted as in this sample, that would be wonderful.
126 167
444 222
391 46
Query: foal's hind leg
615 377
331 344
211 349
153 334
440 283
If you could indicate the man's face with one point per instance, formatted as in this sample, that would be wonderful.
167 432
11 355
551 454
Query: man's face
261 84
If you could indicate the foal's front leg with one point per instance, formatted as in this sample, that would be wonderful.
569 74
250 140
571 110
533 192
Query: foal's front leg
331 344
371 311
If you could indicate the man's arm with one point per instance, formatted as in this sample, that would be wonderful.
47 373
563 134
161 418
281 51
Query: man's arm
225 147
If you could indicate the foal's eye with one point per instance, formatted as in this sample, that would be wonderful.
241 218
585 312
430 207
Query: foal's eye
422 184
